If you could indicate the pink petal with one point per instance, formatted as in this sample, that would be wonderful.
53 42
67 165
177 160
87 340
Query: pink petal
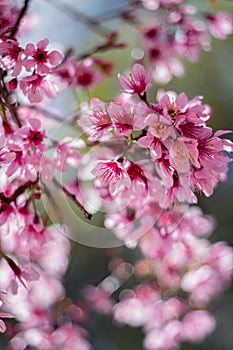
42 44
55 57
2 326
181 100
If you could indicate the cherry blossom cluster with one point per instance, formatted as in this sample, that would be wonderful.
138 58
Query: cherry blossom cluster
38 73
175 30
165 154
26 273
38 64
45 76
179 275
34 257
187 272
8 17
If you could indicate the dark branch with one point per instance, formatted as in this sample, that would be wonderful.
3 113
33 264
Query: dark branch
120 13
6 201
72 196
93 24
20 17
102 47
47 113
4 97
144 99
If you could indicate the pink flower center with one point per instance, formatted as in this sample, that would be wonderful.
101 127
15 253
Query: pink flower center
40 56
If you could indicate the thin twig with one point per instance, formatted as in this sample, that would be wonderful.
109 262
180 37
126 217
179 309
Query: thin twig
8 200
14 113
56 208
144 99
93 24
5 96
72 196
121 13
47 114
110 43
20 17
99 48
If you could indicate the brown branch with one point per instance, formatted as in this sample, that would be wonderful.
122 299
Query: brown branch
72 196
46 113
144 99
110 43
20 17
14 113
4 99
95 24
6 201
92 23
15 268
121 13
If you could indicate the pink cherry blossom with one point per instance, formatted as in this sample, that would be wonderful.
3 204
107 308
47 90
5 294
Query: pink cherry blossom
6 156
3 327
99 299
131 311
196 325
211 157
153 144
36 87
137 177
96 121
66 153
173 107
202 284
138 82
179 155
122 118
8 17
37 57
80 73
11 54
112 174
220 24
166 338
183 36
154 4
221 259
160 127
69 336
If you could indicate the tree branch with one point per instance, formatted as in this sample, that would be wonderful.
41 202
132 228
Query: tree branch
6 201
109 44
4 95
20 17
93 24
121 13
72 196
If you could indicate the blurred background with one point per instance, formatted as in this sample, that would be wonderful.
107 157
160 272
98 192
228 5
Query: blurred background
212 77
